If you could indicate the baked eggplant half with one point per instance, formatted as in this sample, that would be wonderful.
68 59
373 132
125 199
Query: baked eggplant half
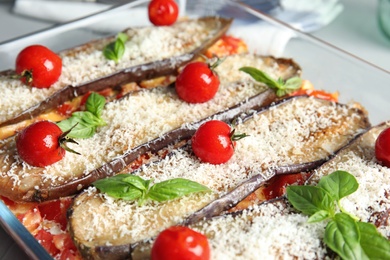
133 122
274 229
300 132
150 52
371 202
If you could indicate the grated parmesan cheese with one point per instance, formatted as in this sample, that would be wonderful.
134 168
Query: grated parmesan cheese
273 135
131 121
268 231
372 196
86 63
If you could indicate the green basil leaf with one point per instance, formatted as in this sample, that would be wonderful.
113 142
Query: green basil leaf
95 104
137 182
122 37
115 50
109 52
117 188
261 76
373 243
309 199
319 216
174 188
342 236
339 184
293 83
80 130
87 118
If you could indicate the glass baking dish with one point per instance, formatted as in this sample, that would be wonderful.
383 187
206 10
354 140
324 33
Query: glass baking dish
326 66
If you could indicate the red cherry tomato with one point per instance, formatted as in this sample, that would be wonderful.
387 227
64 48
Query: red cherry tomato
38 66
180 243
212 142
163 12
197 83
382 147
39 144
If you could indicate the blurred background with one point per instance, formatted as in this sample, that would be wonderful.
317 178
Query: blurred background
352 25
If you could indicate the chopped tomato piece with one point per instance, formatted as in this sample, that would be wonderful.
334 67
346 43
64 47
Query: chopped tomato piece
69 255
65 109
64 242
55 210
45 238
7 201
308 89
318 94
227 45
277 185
31 219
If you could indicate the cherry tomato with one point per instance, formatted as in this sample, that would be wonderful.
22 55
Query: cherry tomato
39 144
382 147
38 66
180 243
197 83
163 12
212 142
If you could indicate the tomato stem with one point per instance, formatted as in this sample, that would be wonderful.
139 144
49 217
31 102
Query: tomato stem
216 63
64 139
27 74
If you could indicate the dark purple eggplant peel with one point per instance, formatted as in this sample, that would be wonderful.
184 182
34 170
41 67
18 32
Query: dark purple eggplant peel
350 121
216 26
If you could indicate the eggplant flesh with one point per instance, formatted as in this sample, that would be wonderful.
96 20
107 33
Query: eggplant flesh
325 128
371 202
101 74
275 230
138 122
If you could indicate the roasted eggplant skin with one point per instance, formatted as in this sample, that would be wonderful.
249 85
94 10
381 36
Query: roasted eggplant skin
48 192
136 73
214 208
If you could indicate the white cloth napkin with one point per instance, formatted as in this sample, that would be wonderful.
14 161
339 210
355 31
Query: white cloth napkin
304 15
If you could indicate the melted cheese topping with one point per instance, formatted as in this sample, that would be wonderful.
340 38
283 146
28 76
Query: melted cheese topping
87 63
298 120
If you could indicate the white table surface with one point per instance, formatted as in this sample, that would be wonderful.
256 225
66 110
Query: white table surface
355 30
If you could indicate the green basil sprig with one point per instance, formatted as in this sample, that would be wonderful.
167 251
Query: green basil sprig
133 187
280 86
85 123
115 50
344 234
